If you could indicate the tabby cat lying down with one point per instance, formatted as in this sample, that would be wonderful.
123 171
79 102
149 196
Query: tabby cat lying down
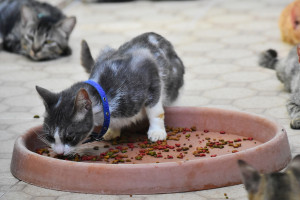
273 186
36 30
288 72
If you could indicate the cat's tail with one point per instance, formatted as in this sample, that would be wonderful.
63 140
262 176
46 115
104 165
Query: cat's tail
268 59
87 60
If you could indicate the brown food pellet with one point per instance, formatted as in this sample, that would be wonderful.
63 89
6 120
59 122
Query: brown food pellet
96 148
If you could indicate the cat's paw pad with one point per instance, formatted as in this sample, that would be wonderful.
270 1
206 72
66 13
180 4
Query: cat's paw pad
111 134
295 123
157 134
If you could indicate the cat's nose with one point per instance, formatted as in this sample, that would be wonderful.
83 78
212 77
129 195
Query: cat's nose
35 49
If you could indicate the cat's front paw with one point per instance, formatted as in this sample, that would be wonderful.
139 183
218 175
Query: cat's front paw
156 134
295 123
112 134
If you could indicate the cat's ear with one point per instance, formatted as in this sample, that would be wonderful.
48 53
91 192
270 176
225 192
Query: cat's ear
27 16
48 97
82 101
86 58
250 176
67 25
294 166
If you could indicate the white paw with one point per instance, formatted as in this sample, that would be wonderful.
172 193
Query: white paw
111 134
156 134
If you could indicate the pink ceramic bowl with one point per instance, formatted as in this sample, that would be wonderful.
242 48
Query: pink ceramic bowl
150 178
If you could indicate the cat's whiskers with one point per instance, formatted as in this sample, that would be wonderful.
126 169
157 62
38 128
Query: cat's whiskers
45 124
43 139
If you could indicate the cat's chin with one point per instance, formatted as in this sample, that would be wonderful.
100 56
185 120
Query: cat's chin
37 59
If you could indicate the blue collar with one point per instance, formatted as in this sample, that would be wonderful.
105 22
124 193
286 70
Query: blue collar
99 136
41 15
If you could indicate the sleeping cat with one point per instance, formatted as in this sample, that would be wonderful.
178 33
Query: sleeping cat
138 78
288 72
36 30
273 186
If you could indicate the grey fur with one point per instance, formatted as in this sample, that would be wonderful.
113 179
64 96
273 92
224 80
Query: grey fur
137 76
288 72
36 30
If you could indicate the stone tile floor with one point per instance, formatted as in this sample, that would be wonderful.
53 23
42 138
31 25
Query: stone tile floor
218 42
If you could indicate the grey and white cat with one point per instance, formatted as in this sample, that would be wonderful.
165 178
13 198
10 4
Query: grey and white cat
288 72
34 29
272 186
139 79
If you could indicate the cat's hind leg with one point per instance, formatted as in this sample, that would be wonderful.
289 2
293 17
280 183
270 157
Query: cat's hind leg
112 134
1 41
156 116
293 108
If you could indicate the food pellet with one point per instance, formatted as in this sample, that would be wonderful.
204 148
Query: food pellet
96 148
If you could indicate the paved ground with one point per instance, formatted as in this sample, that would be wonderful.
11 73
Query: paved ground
218 42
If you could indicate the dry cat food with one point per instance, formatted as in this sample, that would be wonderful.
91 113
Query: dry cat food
181 144
36 116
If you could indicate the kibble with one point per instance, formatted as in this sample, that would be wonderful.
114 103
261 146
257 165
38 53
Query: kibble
117 150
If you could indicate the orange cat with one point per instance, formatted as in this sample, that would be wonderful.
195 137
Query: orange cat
289 23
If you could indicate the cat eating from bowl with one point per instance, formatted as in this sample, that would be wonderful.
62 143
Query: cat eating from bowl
126 85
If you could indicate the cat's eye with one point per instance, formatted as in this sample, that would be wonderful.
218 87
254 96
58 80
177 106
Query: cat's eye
49 41
30 37
50 138
69 138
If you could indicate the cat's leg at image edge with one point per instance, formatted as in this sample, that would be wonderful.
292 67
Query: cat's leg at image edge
293 108
112 134
156 116
1 42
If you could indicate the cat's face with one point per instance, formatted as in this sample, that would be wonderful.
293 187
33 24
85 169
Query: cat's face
272 186
42 38
68 120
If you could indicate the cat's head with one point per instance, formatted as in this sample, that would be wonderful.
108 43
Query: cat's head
68 119
273 186
45 37
289 23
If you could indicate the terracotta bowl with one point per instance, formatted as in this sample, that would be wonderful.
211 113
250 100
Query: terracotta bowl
272 154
